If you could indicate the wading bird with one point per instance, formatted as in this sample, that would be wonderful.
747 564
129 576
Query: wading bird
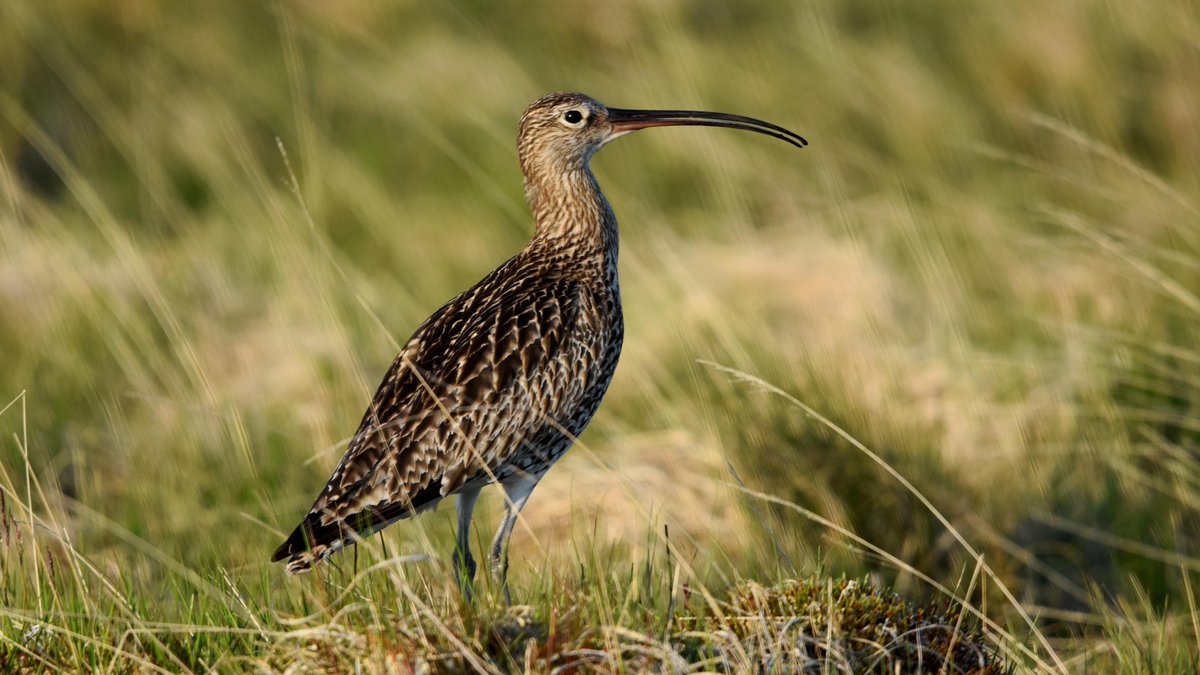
499 382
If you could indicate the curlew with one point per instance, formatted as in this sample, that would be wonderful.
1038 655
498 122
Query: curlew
499 382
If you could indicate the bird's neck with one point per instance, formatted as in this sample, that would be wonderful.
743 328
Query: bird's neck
571 214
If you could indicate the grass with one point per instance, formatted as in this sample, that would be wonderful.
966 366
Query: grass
948 351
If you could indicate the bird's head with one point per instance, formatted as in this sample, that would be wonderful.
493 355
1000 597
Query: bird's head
562 131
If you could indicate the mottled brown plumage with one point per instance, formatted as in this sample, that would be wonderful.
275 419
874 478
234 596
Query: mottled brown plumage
497 384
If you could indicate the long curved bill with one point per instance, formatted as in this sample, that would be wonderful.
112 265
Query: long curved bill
624 121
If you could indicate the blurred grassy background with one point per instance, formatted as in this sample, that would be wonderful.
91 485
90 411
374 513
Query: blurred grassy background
986 268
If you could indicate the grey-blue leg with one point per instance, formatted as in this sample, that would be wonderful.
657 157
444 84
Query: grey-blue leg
517 490
464 564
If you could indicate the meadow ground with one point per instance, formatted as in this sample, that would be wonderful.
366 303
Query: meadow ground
949 351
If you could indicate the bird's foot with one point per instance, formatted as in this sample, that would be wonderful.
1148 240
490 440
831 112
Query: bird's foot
464 573
499 565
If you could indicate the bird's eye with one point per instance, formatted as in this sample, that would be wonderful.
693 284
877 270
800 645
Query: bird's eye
573 117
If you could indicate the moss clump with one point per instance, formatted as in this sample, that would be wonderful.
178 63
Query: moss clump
843 624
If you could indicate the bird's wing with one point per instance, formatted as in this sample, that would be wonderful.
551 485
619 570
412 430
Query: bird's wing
464 391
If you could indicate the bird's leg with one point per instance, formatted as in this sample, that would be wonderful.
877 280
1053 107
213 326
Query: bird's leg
516 490
464 564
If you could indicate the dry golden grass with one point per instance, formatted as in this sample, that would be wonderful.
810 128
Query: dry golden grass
217 221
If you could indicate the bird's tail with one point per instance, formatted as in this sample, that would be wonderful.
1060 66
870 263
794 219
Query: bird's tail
310 543
313 541
301 563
